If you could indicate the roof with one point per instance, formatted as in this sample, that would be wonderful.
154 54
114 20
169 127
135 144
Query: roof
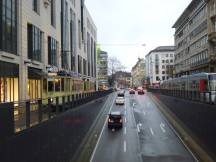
115 113
162 49
186 12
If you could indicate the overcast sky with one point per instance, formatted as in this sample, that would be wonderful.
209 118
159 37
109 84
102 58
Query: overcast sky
124 25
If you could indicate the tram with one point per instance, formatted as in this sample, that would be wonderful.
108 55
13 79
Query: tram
199 87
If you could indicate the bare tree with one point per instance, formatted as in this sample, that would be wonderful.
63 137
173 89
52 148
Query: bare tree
114 65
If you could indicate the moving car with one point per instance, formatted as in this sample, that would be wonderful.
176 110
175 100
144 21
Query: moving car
121 94
115 120
120 101
141 92
131 91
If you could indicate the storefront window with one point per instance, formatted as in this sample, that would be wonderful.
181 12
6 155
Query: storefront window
34 89
50 86
57 85
62 85
8 89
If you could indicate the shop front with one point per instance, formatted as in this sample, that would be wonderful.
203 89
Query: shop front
9 82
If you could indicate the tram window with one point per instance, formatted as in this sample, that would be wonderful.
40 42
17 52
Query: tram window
50 86
57 85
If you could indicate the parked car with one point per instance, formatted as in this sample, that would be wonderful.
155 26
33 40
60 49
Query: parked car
141 92
120 101
115 120
132 91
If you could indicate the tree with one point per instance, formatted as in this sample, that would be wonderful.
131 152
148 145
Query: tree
114 65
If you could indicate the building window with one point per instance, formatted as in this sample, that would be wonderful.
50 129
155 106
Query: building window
34 43
73 39
8 26
79 64
167 55
163 61
171 61
163 72
167 61
52 51
79 33
157 78
84 67
35 5
53 13
163 77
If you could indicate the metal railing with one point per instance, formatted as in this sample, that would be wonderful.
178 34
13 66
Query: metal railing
33 112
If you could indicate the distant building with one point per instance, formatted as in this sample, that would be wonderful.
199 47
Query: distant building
123 79
102 69
159 64
138 73
195 38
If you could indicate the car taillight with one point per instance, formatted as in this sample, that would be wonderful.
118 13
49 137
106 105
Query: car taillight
110 120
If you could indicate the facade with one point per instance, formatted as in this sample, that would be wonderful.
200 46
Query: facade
102 65
194 39
138 73
159 64
123 79
47 49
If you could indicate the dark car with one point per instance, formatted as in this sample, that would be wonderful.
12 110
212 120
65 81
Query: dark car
131 91
115 120
121 94
141 92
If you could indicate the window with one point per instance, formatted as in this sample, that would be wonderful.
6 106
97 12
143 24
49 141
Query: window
157 78
53 12
167 55
163 61
50 86
167 61
35 4
163 67
8 26
163 72
171 61
52 51
62 85
79 64
171 55
79 33
163 77
34 43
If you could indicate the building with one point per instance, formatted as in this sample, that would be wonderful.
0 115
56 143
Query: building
47 49
159 64
123 79
138 73
102 65
195 39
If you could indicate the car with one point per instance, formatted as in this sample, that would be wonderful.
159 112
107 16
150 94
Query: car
115 120
141 92
131 91
121 94
119 101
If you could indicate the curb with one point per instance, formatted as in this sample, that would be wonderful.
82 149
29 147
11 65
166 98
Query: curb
199 153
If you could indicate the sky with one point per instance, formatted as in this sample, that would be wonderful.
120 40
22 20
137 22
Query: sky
128 29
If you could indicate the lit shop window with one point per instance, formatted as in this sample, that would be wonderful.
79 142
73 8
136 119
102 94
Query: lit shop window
34 89
9 89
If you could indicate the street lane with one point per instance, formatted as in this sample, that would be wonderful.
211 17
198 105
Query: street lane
145 136
157 140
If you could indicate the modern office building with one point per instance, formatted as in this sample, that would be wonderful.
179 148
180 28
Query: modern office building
138 73
102 65
195 39
47 48
159 65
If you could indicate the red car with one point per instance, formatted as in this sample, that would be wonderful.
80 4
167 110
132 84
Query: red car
141 92
131 91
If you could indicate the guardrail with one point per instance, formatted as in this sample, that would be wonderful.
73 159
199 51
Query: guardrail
29 113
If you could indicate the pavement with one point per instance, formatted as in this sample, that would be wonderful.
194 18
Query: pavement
146 136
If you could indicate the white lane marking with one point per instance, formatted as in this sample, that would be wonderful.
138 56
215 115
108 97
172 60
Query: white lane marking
162 127
144 113
96 146
125 146
138 129
152 131
125 130
125 120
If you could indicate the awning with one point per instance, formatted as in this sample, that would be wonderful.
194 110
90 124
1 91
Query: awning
9 69
34 73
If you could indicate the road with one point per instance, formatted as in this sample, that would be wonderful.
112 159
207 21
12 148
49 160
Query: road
145 136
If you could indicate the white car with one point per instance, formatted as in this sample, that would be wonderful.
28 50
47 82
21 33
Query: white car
120 101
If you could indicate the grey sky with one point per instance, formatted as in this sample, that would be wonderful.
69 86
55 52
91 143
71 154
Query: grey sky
134 22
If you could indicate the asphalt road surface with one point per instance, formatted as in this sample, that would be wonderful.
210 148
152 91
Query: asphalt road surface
145 136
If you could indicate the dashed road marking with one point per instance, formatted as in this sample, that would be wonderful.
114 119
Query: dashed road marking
152 131
138 129
125 130
125 146
125 120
